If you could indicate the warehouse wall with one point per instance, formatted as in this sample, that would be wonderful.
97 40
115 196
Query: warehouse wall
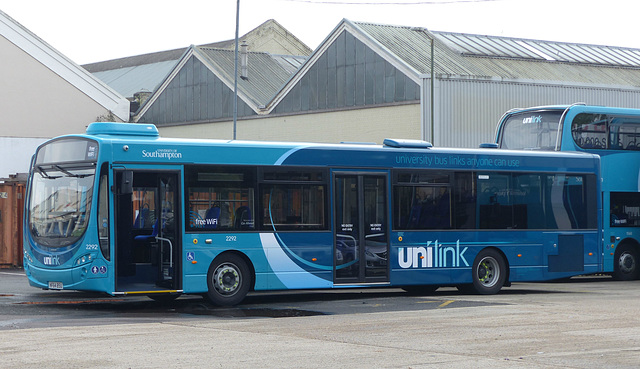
467 111
359 125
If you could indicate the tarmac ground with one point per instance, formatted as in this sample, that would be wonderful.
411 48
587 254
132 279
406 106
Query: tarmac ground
591 322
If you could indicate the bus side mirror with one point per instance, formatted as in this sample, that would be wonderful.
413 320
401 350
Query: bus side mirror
126 182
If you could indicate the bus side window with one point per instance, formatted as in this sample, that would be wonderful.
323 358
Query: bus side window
218 196
625 209
291 207
429 208
494 202
624 133
293 199
103 214
422 200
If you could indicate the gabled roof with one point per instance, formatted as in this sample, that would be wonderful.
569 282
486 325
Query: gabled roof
404 41
139 73
266 74
485 57
52 59
145 72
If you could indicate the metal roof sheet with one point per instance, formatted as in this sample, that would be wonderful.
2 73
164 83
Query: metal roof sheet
290 62
130 80
266 74
477 56
506 47
145 72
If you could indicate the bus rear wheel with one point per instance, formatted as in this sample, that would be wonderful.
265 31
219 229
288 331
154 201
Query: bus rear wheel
228 280
489 272
625 261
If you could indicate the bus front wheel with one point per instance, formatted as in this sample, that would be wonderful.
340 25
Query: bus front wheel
625 261
489 272
228 280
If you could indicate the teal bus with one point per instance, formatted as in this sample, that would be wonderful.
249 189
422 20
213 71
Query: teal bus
614 135
124 211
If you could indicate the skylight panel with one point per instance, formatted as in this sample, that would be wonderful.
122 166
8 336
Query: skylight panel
536 51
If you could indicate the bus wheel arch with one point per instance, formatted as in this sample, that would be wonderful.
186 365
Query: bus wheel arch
626 261
230 277
490 272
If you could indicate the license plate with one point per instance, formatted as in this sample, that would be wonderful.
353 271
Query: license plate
55 285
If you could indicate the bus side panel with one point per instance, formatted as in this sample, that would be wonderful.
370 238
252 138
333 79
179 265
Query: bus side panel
620 171
621 174
280 260
446 258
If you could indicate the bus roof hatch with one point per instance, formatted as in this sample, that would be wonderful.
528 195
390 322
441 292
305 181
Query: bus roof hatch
414 144
127 129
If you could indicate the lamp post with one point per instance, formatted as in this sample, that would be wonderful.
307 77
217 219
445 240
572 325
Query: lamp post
235 73
432 91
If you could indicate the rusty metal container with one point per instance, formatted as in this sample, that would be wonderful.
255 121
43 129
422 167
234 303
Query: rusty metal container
11 213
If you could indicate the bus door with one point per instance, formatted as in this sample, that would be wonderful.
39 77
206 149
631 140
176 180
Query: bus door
361 245
147 209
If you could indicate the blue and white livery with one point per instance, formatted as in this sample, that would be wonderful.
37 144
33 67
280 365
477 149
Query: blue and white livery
123 211
614 135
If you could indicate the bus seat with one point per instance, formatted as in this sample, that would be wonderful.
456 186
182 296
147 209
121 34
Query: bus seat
243 218
212 217
142 218
148 237
414 217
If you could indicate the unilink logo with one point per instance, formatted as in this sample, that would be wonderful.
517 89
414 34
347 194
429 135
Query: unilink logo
434 255
532 119
51 260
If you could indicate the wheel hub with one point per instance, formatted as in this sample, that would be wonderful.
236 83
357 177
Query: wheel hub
482 273
626 262
227 279
488 274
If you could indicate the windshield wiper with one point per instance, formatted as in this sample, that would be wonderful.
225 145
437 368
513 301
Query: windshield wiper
61 169
44 173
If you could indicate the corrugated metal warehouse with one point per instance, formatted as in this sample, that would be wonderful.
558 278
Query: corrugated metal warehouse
366 82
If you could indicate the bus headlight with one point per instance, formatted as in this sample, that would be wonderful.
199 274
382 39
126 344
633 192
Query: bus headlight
84 259
26 255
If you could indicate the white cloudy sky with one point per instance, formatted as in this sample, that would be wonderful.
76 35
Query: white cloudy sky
94 30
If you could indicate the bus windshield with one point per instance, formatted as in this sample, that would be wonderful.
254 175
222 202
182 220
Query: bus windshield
533 130
60 194
59 206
